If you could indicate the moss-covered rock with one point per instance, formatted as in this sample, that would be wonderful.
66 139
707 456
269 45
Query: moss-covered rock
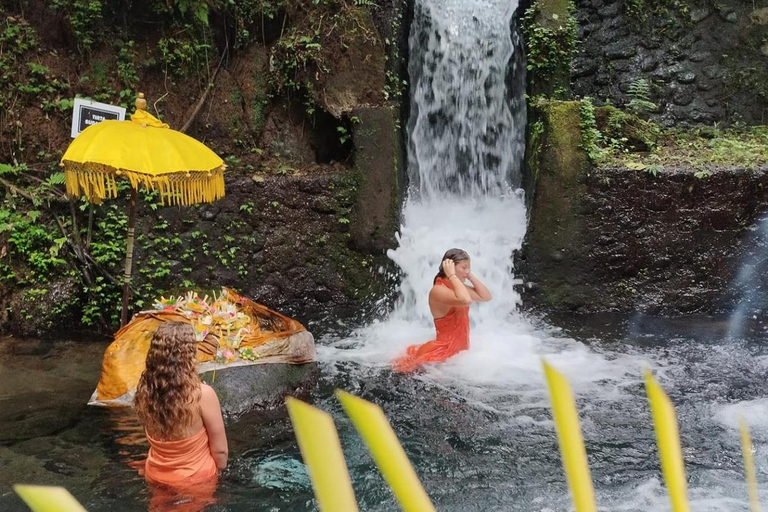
555 239
377 160
357 76
43 308
549 29
250 71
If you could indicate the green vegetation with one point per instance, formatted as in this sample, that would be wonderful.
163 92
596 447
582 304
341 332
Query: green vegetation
673 11
617 138
45 242
612 137
703 149
590 135
640 97
272 54
307 51
85 18
550 33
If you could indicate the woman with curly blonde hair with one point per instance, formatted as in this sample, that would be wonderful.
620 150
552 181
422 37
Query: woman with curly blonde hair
181 415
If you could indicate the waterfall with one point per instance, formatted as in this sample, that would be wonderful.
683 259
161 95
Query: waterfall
466 130
465 148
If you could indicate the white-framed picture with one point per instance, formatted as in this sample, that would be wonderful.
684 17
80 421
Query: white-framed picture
87 112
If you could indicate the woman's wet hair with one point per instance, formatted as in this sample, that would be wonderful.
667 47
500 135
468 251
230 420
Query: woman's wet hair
456 255
168 394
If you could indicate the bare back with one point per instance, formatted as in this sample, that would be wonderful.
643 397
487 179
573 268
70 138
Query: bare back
442 299
208 416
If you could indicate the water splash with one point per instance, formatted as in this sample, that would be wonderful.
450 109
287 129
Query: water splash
750 285
465 153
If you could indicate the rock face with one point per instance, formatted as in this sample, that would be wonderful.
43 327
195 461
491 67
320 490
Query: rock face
670 243
283 241
244 388
313 157
555 247
616 239
705 63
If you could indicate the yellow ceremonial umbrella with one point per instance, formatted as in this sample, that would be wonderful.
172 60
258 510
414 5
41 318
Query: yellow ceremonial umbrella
149 154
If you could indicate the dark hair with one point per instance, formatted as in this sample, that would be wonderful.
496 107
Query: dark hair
454 254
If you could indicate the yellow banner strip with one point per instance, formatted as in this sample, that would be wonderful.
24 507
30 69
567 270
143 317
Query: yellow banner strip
321 450
749 466
668 440
382 442
571 442
48 499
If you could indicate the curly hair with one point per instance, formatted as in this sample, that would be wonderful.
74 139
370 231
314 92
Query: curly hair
168 395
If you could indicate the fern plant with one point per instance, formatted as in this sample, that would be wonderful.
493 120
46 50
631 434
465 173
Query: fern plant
365 3
590 135
640 97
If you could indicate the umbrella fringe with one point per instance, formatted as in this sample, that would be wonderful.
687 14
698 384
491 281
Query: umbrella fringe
96 183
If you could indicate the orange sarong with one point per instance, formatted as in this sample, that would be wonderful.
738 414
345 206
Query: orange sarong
183 462
452 337
182 475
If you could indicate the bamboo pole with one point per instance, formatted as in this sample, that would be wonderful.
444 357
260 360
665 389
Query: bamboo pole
129 257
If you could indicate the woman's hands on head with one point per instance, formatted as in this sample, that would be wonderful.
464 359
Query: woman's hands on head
449 267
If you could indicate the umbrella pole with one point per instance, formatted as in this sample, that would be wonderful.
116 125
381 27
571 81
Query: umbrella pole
128 257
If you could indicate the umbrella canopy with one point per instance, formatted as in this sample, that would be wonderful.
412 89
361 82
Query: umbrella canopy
147 152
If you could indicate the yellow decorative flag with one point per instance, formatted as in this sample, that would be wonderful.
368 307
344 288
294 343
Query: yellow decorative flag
48 499
321 450
571 442
668 440
372 424
749 466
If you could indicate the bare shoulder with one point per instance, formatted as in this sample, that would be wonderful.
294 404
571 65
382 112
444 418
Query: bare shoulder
439 288
207 393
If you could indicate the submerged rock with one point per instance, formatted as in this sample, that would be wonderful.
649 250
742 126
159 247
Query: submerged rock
245 388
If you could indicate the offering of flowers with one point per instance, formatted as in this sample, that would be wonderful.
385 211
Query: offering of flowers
195 304
201 330
248 354
232 340
217 317
169 304
225 356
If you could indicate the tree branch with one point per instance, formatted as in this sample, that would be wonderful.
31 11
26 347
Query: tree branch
204 96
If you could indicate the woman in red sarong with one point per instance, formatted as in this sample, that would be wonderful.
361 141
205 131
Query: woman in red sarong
449 302
183 423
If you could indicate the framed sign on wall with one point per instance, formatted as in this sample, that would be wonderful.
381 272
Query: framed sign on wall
87 112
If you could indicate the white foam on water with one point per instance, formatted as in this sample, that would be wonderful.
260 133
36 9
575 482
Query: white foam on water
466 136
754 412
506 349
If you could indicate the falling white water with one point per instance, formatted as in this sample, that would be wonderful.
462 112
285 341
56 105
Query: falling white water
750 284
467 121
465 151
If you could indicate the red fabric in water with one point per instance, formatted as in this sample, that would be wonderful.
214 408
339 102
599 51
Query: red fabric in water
452 337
